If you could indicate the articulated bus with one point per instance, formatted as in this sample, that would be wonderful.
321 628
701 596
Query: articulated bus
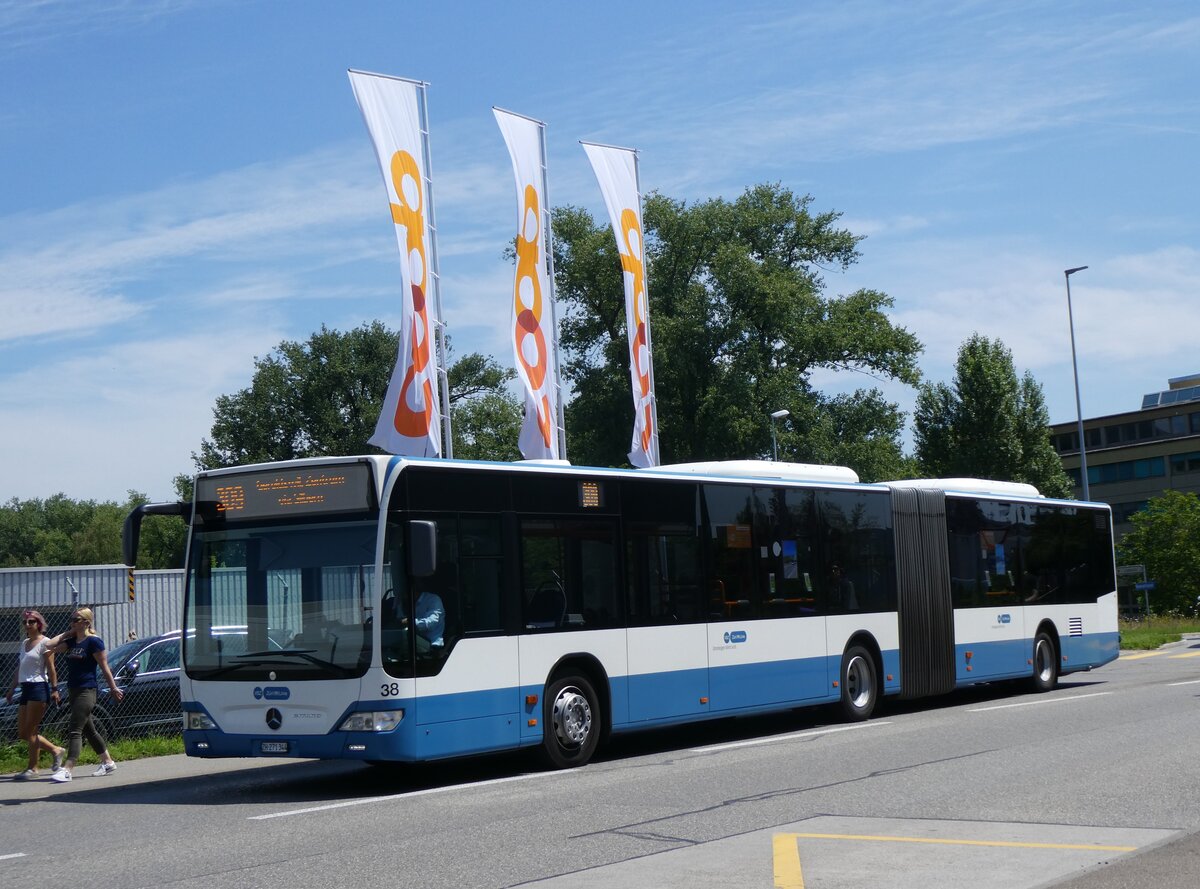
402 609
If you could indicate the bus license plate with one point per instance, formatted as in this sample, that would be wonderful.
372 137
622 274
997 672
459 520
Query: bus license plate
274 746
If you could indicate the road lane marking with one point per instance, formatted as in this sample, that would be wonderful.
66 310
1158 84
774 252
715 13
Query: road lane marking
941 841
1176 657
1097 694
1189 682
412 793
787 862
774 738
22 855
1138 657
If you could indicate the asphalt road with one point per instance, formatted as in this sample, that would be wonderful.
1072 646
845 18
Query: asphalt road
1092 785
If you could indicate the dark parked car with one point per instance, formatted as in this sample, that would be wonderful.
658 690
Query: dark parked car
148 672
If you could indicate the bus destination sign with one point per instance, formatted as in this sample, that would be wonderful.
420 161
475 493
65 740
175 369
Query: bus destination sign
309 490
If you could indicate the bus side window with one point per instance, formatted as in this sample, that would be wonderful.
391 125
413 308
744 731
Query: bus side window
732 554
568 574
480 587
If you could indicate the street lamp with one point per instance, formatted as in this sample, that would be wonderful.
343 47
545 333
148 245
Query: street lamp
1083 473
776 415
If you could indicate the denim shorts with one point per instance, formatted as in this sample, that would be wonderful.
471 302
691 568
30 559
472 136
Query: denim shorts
35 692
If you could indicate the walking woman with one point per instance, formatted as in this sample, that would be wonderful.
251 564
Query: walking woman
85 652
38 682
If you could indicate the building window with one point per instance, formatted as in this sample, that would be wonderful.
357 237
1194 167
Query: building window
1123 511
1066 442
1185 462
1127 470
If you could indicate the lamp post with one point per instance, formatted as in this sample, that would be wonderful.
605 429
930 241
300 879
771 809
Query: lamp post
776 415
1083 472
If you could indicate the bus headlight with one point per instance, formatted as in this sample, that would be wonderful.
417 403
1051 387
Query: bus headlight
372 721
197 722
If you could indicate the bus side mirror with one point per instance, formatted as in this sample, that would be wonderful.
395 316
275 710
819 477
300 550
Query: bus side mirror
133 525
422 548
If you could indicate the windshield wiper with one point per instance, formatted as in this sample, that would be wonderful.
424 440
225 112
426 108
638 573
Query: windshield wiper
280 656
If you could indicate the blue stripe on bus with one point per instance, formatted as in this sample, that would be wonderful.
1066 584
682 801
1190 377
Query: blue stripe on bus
1092 650
449 725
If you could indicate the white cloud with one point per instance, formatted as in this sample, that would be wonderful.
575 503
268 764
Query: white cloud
28 24
125 417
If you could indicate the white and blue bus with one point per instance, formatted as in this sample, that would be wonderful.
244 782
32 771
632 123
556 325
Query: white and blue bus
405 610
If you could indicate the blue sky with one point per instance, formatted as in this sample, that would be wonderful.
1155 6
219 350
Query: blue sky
186 184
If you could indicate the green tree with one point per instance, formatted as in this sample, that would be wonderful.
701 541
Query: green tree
62 531
987 423
1166 539
739 321
322 397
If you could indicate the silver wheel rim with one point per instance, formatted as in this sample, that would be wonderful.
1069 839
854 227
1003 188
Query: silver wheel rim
1044 660
859 684
572 717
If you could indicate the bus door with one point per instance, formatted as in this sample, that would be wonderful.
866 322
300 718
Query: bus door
452 625
990 629
766 635
667 611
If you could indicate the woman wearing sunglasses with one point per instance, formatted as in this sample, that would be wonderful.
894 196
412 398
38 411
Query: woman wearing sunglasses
85 653
38 682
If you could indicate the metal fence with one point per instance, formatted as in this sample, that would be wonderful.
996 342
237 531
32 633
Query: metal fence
142 638
142 641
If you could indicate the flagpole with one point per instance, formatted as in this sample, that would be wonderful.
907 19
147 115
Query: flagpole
655 457
443 369
559 421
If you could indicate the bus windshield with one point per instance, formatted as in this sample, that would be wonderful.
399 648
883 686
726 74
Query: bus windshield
302 592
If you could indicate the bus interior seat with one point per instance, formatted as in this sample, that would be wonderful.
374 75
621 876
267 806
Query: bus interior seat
547 608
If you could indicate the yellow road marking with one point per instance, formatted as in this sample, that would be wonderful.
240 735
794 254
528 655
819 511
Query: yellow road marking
787 862
1138 657
1189 654
943 842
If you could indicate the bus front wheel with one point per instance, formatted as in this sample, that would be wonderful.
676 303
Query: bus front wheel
859 684
571 722
1045 663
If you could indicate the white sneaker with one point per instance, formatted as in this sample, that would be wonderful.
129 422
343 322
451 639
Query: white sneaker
25 775
105 768
62 776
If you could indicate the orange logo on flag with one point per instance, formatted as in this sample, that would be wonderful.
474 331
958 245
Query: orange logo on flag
527 306
406 180
631 262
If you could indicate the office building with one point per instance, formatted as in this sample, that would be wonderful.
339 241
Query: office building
1138 455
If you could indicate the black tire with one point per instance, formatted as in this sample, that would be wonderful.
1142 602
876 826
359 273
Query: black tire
1045 663
859 683
571 722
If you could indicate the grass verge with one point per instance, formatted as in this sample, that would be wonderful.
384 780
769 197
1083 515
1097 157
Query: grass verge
1155 632
14 757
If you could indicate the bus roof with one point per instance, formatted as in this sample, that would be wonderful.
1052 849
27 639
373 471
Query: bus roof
970 486
772 469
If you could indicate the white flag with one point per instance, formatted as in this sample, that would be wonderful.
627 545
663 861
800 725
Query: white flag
616 171
533 298
410 420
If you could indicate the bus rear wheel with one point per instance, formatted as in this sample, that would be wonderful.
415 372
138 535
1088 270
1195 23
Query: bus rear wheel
571 722
1045 663
859 684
